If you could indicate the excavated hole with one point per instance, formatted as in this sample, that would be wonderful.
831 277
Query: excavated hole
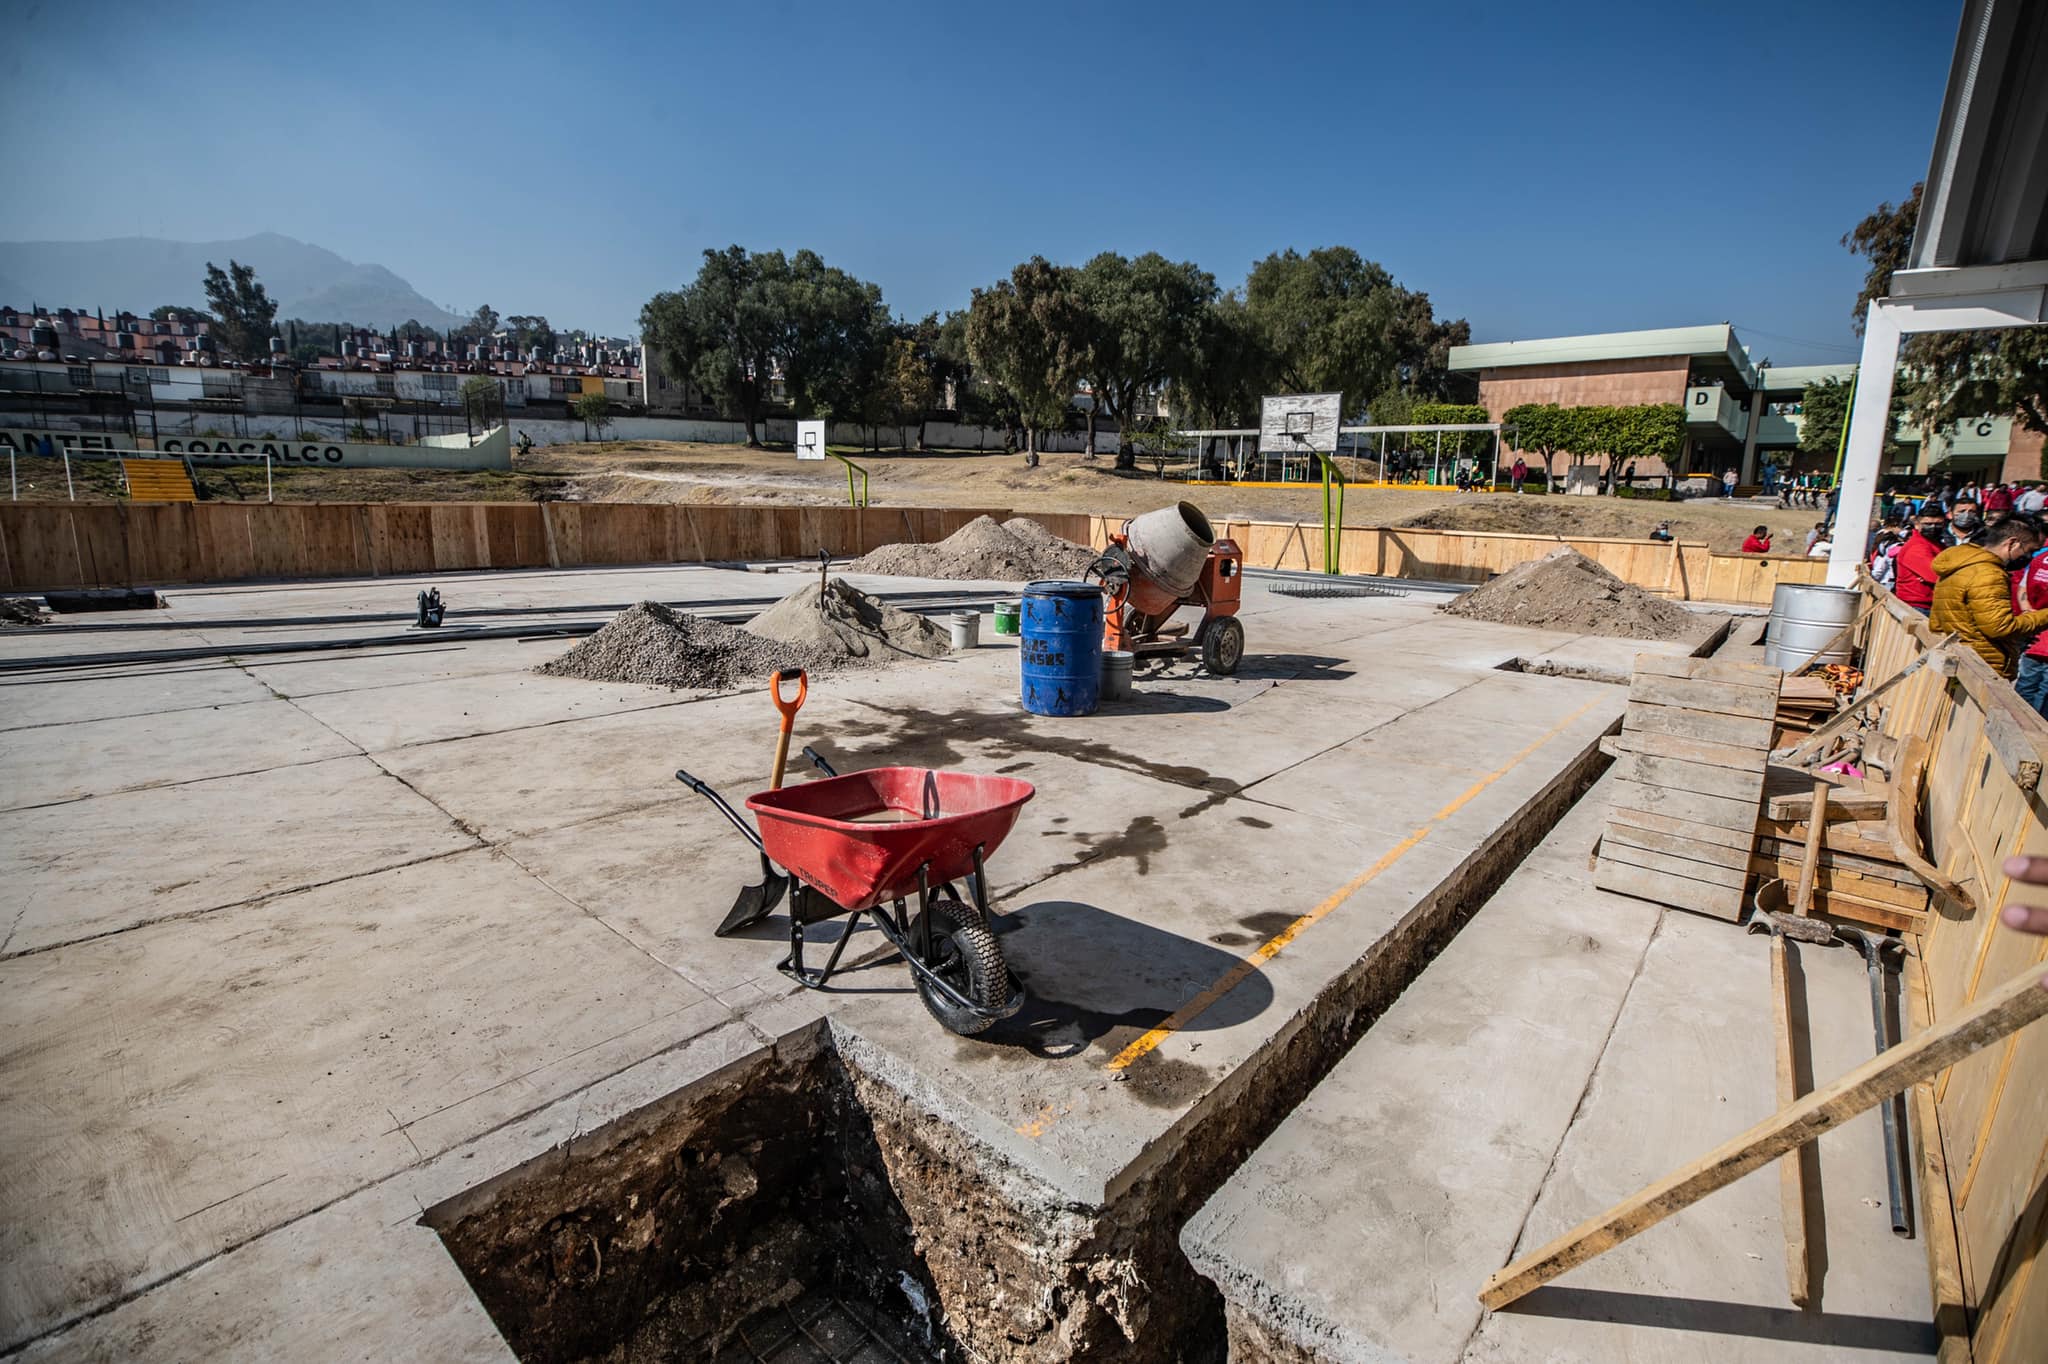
799 1206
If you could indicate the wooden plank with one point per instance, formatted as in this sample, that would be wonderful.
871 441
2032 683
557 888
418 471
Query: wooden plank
1937 1210
1651 770
1791 1165
1737 731
1998 1015
1848 802
1658 888
1912 899
1679 845
1719 811
1719 698
1792 849
1732 879
1710 670
1738 840
1731 756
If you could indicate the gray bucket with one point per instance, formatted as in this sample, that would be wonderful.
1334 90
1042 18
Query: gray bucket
1116 674
966 629
1805 616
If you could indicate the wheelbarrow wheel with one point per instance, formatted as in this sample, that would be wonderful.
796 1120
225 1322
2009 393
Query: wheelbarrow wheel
966 955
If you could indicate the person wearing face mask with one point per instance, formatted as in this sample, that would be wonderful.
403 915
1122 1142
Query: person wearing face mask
1973 595
1915 559
1967 518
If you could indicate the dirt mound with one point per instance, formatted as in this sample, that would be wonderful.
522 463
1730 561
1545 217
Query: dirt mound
1564 590
659 646
1017 551
847 621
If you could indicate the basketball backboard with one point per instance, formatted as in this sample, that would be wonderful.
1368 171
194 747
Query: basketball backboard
810 440
1298 423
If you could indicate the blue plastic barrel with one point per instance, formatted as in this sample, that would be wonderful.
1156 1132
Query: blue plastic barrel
1061 646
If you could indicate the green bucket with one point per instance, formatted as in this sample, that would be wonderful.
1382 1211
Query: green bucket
1006 617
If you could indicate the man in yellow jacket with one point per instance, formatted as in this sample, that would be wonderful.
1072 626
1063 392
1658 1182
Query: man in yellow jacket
1973 594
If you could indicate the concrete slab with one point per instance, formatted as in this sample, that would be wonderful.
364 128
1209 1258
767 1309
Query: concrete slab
43 700
1690 1066
224 1073
99 757
1483 1115
84 868
1412 1164
453 708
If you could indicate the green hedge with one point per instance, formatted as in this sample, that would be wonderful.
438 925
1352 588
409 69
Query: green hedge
1648 494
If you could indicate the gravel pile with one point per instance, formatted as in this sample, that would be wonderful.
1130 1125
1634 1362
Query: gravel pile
659 646
1564 590
20 611
1020 550
850 624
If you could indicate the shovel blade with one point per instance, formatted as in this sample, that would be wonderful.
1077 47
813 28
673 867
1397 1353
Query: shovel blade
754 902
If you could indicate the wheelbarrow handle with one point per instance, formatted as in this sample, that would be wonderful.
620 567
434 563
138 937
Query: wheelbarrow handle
818 761
720 804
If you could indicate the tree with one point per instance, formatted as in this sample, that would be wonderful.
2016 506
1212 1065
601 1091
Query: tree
831 337
720 332
171 312
908 388
530 333
1825 406
1142 324
1025 334
482 398
243 313
1329 321
1230 372
1423 349
594 410
1543 429
1953 375
483 321
1645 431
1457 443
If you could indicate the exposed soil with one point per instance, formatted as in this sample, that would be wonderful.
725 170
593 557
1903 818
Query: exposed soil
656 645
1018 550
846 621
1564 590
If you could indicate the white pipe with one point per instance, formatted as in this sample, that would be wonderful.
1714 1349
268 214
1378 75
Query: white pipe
69 491
269 490
1867 422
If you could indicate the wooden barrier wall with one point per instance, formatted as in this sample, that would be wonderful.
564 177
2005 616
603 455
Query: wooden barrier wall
1990 1148
1684 571
45 545
60 545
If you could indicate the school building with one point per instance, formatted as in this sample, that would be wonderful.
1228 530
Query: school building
1740 414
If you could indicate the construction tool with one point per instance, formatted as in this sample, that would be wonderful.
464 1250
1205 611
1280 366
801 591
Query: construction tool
1792 1165
1994 1017
1155 565
431 609
755 902
1874 948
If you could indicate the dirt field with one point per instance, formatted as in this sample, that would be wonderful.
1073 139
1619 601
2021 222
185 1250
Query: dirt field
649 471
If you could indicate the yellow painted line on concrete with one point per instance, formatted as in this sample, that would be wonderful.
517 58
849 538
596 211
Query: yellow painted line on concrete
1272 947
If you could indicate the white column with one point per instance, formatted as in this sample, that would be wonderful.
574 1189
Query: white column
1867 423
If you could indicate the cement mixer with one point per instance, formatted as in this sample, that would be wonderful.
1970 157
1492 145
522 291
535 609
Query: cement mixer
1157 564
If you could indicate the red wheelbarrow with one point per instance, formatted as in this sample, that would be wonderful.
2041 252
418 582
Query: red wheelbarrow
865 842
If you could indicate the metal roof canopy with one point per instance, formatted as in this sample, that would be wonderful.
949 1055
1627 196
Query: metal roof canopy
1980 255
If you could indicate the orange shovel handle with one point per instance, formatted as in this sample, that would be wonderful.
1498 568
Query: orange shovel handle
787 708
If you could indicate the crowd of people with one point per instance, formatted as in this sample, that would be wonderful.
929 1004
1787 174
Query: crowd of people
1970 558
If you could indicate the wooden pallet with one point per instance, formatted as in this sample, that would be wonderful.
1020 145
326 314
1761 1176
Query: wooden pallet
1689 769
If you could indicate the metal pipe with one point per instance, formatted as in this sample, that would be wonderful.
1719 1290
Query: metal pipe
1894 1139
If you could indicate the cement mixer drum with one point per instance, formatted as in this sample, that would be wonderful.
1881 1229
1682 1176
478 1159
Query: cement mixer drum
1170 546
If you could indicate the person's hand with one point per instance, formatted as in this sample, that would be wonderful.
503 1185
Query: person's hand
2027 918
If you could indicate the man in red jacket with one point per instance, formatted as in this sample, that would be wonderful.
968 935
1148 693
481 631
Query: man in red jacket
1759 541
1916 560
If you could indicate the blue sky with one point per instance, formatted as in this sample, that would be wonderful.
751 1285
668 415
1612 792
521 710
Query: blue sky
1540 169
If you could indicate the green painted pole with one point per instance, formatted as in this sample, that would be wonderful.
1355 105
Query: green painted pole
1842 441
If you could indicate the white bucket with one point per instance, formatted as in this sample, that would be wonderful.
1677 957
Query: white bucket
966 629
1116 674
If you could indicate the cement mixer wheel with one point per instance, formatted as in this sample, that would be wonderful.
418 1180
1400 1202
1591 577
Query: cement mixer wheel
1223 646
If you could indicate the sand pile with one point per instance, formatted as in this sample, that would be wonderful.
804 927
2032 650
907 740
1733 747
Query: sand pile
1564 590
851 624
659 646
1015 551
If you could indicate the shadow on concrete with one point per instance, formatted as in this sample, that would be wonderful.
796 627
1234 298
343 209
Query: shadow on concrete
1838 1330
1293 667
1098 979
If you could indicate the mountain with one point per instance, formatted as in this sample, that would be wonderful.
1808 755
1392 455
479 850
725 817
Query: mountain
139 273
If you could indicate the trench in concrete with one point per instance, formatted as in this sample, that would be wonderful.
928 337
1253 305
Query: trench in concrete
799 1186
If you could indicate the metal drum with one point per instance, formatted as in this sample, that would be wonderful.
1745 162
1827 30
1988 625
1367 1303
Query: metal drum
1805 616
1061 648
